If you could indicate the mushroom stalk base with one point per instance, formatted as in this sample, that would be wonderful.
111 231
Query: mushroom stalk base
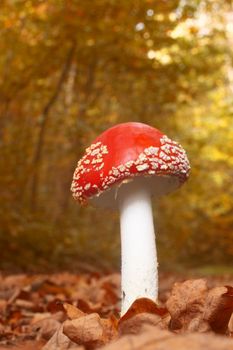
139 272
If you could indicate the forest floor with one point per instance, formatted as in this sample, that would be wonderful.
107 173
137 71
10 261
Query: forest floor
81 311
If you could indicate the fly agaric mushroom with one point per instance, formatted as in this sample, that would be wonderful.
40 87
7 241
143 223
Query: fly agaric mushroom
123 168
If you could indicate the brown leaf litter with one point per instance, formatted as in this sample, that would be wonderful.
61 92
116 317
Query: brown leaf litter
81 312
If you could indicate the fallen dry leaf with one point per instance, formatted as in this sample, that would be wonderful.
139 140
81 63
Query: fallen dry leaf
153 338
90 330
219 308
26 345
49 287
186 305
135 324
45 328
72 312
60 341
143 305
89 307
195 308
230 326
142 311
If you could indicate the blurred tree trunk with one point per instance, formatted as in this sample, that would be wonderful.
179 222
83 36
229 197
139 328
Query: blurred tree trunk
44 120
89 97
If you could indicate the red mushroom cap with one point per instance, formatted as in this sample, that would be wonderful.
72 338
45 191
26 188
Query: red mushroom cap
124 152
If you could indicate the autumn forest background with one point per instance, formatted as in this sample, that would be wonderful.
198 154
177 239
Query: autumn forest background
71 69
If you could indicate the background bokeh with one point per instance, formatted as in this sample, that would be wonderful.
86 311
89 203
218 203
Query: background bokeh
69 70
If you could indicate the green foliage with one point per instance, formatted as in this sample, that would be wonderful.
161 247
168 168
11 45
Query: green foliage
69 70
203 208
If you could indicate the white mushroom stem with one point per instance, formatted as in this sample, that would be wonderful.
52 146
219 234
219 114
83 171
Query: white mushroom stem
138 250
